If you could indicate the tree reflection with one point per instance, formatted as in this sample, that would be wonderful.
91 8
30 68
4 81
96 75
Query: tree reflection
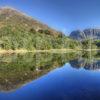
18 69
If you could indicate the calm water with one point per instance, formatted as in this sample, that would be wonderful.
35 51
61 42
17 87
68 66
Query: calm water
44 76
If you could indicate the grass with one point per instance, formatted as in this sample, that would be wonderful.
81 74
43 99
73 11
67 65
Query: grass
49 51
25 51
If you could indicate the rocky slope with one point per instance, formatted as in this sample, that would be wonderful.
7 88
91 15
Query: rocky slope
86 34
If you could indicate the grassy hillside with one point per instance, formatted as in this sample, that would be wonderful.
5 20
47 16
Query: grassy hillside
18 31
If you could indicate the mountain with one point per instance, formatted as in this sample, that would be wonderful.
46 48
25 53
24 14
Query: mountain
15 18
19 31
86 34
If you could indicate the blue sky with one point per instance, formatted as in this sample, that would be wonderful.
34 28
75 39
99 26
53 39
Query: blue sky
63 15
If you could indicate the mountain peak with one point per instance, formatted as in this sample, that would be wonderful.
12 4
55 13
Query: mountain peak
7 8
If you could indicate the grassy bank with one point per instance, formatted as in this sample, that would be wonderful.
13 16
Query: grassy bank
49 51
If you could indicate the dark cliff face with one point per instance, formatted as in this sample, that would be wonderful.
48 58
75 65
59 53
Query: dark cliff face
77 35
85 34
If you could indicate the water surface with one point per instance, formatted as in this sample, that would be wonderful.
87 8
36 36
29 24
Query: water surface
47 76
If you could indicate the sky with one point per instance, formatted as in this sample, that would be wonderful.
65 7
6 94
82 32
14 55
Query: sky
62 15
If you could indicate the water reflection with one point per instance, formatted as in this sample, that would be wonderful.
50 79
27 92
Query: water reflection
88 61
18 69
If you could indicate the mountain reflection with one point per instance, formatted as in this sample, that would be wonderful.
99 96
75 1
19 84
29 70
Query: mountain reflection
81 63
88 61
18 69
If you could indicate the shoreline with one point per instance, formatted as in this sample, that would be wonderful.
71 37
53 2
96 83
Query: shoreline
49 51
36 51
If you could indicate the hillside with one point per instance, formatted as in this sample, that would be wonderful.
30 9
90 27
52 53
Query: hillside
19 31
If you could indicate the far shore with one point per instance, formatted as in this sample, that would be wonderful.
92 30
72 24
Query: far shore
34 51
49 51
